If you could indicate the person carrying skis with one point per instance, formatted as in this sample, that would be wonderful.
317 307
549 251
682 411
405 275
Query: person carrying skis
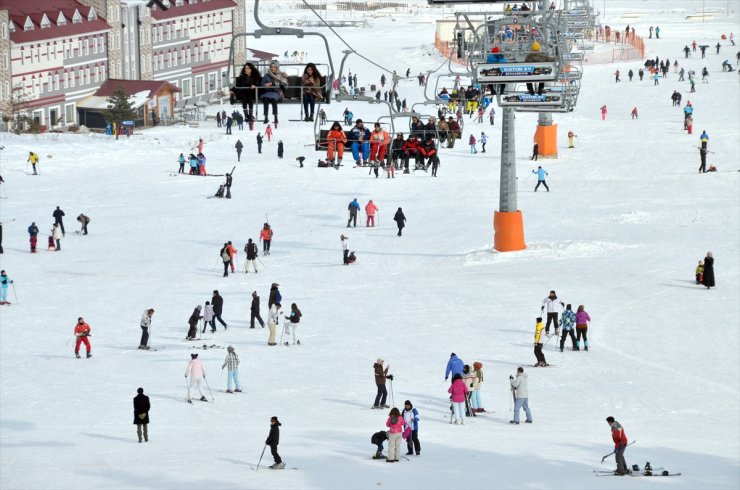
459 391
232 362
538 343
353 208
400 220
250 249
195 317
378 438
273 439
273 321
34 159
411 420
553 305
454 366
145 323
82 332
380 376
33 232
582 320
541 174
4 282
84 221
266 238
567 323
254 311
345 249
197 373
208 318
370 210
141 414
395 424
620 444
521 396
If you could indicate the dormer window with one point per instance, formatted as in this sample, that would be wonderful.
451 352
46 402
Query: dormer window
61 20
28 26
76 18
45 23
92 15
11 26
178 3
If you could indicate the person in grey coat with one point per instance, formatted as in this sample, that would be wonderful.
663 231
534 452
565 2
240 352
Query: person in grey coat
239 147
521 395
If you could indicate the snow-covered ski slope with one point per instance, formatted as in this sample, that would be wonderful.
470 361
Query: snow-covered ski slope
621 232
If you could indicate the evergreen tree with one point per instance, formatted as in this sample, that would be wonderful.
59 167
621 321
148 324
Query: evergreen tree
119 107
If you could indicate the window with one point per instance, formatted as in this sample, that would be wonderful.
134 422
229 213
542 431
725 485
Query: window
45 24
76 18
87 76
6 61
28 26
87 46
65 80
56 81
211 82
61 20
169 31
4 31
199 85
69 114
174 58
187 55
159 33
169 60
72 77
186 87
95 44
91 15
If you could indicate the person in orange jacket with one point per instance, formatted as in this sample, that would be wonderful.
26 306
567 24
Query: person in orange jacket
379 141
336 140
82 332
232 251
266 238
370 210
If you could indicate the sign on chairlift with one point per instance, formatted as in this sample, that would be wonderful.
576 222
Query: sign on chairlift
572 35
576 12
516 72
573 57
578 23
518 99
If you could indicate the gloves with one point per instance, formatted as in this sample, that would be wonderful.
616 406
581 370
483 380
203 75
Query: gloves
222 367
186 375
445 378
390 376
511 377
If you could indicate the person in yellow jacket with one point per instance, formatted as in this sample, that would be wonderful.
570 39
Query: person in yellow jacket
700 272
539 327
34 159
571 135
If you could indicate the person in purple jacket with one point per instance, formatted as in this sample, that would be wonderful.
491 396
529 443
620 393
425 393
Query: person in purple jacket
582 320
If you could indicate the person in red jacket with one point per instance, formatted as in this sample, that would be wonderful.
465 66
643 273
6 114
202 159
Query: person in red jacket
370 210
620 444
266 238
82 332
410 148
232 251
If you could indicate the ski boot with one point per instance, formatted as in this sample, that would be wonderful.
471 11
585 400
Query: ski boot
277 466
89 355
237 390
203 399
229 391
77 355
379 456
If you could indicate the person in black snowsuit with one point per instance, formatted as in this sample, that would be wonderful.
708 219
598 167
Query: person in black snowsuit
708 280
193 322
259 143
255 311
58 214
280 149
239 146
703 156
229 179
630 74
218 307
400 220
273 439
378 439
535 152
141 414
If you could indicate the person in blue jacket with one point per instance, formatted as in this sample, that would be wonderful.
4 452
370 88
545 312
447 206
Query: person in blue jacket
353 208
360 138
411 418
181 161
193 160
704 139
541 174
454 366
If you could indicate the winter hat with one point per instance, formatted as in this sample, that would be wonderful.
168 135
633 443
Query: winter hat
229 349
535 46
477 366
408 402
495 50
254 293
198 307
140 391
379 361
342 237
274 284
194 355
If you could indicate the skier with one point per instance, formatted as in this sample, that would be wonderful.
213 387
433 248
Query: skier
535 152
280 149
33 232
379 141
541 362
197 373
567 322
58 214
541 174
620 444
292 320
571 135
84 221
703 155
239 147
469 379
400 220
353 208
411 420
273 321
268 132
378 438
226 258
145 323
251 250
195 317
56 237
259 143
34 159
471 142
521 395
492 115
604 110
273 439
616 77
232 362
633 114
181 161
370 210
4 281
208 318
454 366
395 424
345 249
475 400
254 311
82 332
380 376
141 414
218 305
553 305
275 296
709 271
459 391
266 238
483 141
582 319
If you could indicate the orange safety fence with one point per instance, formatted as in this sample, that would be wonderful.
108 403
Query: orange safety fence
448 49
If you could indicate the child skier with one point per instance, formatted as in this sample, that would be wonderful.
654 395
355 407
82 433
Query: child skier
378 438
458 390
232 362
483 141
539 326
472 142
197 374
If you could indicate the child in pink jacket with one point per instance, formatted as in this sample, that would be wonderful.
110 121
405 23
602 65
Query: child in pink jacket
395 422
459 392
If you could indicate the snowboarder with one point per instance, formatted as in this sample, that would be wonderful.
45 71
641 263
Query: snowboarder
582 319
380 376
275 296
84 221
353 208
251 250
58 215
239 147
553 305
141 414
34 159
395 424
291 323
273 439
145 323
541 362
197 373
195 317
400 220
33 232
56 234
4 282
254 311
709 271
378 438
567 323
259 143
232 362
266 238
521 395
459 391
703 155
273 321
620 444
535 152
571 135
370 210
218 305
345 249
82 332
454 366
411 420
280 149
541 174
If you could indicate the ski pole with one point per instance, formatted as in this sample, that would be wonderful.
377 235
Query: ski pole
262 263
187 387
260 461
209 389
393 403
602 459
282 332
15 295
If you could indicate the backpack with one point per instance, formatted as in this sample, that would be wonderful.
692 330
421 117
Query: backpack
225 255
394 420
